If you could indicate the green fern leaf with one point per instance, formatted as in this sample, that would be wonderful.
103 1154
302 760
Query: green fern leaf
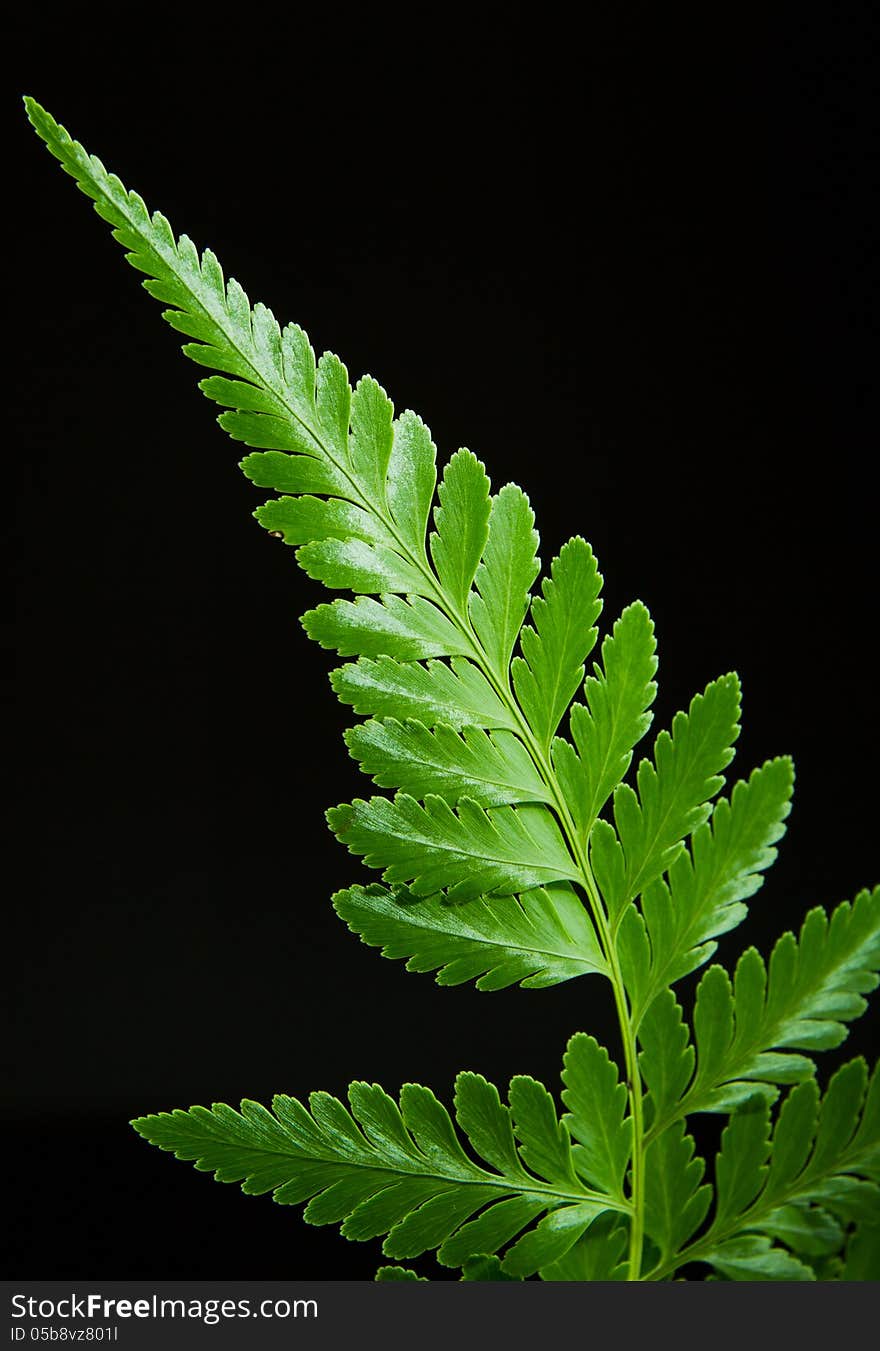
306 405
393 627
540 938
559 640
305 519
491 769
508 568
297 474
500 814
597 1120
741 1167
545 1143
401 1171
814 1143
673 793
747 1033
808 1230
458 695
487 1124
666 1059
372 435
780 1185
468 851
551 1239
613 720
410 480
492 1230
352 565
297 413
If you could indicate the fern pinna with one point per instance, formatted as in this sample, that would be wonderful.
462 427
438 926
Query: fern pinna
515 850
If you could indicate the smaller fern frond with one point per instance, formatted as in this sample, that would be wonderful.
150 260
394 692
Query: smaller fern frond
753 1030
539 938
400 1170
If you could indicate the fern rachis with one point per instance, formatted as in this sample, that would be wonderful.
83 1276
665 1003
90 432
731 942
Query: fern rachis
518 847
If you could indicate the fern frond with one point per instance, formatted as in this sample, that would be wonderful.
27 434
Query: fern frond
461 596
504 869
754 1257
377 1168
540 938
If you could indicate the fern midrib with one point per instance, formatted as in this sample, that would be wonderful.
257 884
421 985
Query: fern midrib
799 1188
476 1177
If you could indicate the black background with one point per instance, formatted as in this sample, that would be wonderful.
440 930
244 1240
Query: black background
632 269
